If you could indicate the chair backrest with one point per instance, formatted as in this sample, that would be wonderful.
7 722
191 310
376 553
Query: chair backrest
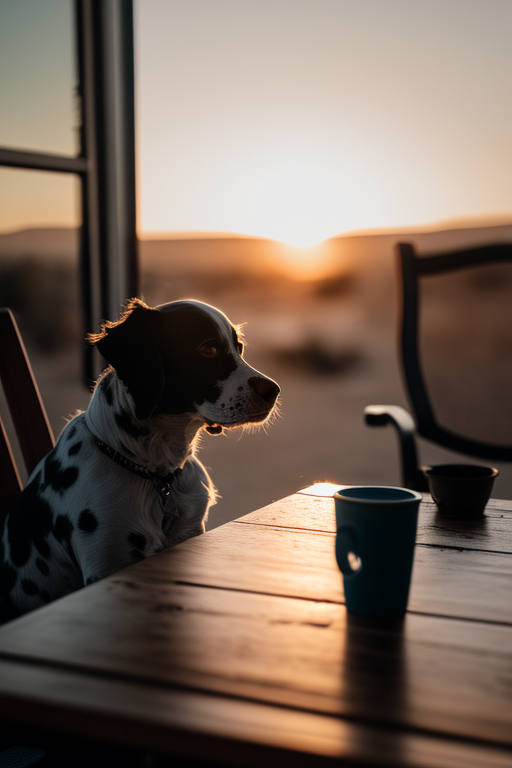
413 268
27 412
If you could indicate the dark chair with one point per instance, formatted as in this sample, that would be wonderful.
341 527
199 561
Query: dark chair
412 268
27 412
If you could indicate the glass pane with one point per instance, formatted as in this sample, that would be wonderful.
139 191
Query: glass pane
31 199
466 347
39 281
38 76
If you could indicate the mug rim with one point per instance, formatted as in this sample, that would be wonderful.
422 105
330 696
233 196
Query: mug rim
465 472
414 495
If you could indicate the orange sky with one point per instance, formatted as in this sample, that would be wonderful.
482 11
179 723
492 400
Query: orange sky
290 119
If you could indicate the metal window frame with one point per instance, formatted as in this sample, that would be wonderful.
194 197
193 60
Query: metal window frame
108 270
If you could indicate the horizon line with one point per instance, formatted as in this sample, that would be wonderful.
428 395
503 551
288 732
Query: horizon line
443 225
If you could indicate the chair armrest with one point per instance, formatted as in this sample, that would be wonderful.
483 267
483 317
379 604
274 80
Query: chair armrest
380 416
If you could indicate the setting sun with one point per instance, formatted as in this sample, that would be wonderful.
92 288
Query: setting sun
297 203
308 263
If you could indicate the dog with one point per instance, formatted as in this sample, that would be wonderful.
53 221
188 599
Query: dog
123 481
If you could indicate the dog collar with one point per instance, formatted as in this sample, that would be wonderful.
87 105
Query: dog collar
162 483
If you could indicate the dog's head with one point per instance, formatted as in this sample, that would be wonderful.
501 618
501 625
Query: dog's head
186 357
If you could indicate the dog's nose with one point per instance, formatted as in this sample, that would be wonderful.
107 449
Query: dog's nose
267 389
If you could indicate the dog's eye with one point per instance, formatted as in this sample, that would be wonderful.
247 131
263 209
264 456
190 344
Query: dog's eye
209 349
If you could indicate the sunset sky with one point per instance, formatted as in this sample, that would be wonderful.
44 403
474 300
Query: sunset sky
290 119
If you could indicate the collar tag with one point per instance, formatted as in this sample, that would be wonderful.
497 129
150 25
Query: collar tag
163 488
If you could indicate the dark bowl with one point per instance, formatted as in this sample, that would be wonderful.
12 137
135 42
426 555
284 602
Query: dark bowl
461 490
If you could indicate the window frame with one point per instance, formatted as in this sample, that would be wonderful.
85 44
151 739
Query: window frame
105 164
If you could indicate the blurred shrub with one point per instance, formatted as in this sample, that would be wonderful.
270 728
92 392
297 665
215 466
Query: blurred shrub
336 286
315 358
44 298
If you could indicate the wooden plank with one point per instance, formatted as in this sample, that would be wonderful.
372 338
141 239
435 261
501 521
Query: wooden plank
226 730
327 490
437 675
492 533
293 563
263 559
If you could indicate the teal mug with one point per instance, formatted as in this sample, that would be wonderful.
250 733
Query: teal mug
375 539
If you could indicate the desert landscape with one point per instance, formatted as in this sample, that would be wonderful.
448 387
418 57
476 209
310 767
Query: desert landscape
322 323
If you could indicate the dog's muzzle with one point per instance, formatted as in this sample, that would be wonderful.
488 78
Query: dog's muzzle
265 388
263 395
252 405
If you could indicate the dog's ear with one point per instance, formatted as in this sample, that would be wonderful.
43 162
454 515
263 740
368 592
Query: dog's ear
130 348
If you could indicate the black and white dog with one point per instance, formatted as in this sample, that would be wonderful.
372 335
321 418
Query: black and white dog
123 481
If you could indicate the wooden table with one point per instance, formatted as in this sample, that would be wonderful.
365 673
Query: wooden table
236 646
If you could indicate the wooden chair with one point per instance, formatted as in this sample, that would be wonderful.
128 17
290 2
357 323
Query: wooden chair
27 412
423 422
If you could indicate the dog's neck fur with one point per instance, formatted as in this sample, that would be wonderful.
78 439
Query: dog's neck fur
161 443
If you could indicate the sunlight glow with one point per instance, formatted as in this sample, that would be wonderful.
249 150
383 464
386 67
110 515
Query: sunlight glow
322 489
310 263
297 200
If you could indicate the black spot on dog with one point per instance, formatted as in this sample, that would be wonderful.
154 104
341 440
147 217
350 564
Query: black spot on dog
8 610
75 449
56 477
71 432
8 578
29 587
240 389
87 522
6 583
43 548
125 423
29 523
137 540
46 597
63 528
51 467
43 566
212 396
65 479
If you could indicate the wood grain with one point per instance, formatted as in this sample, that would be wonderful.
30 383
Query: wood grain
293 563
492 533
231 731
433 674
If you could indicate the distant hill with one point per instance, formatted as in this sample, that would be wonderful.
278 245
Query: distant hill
349 251
50 242
259 255
371 245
